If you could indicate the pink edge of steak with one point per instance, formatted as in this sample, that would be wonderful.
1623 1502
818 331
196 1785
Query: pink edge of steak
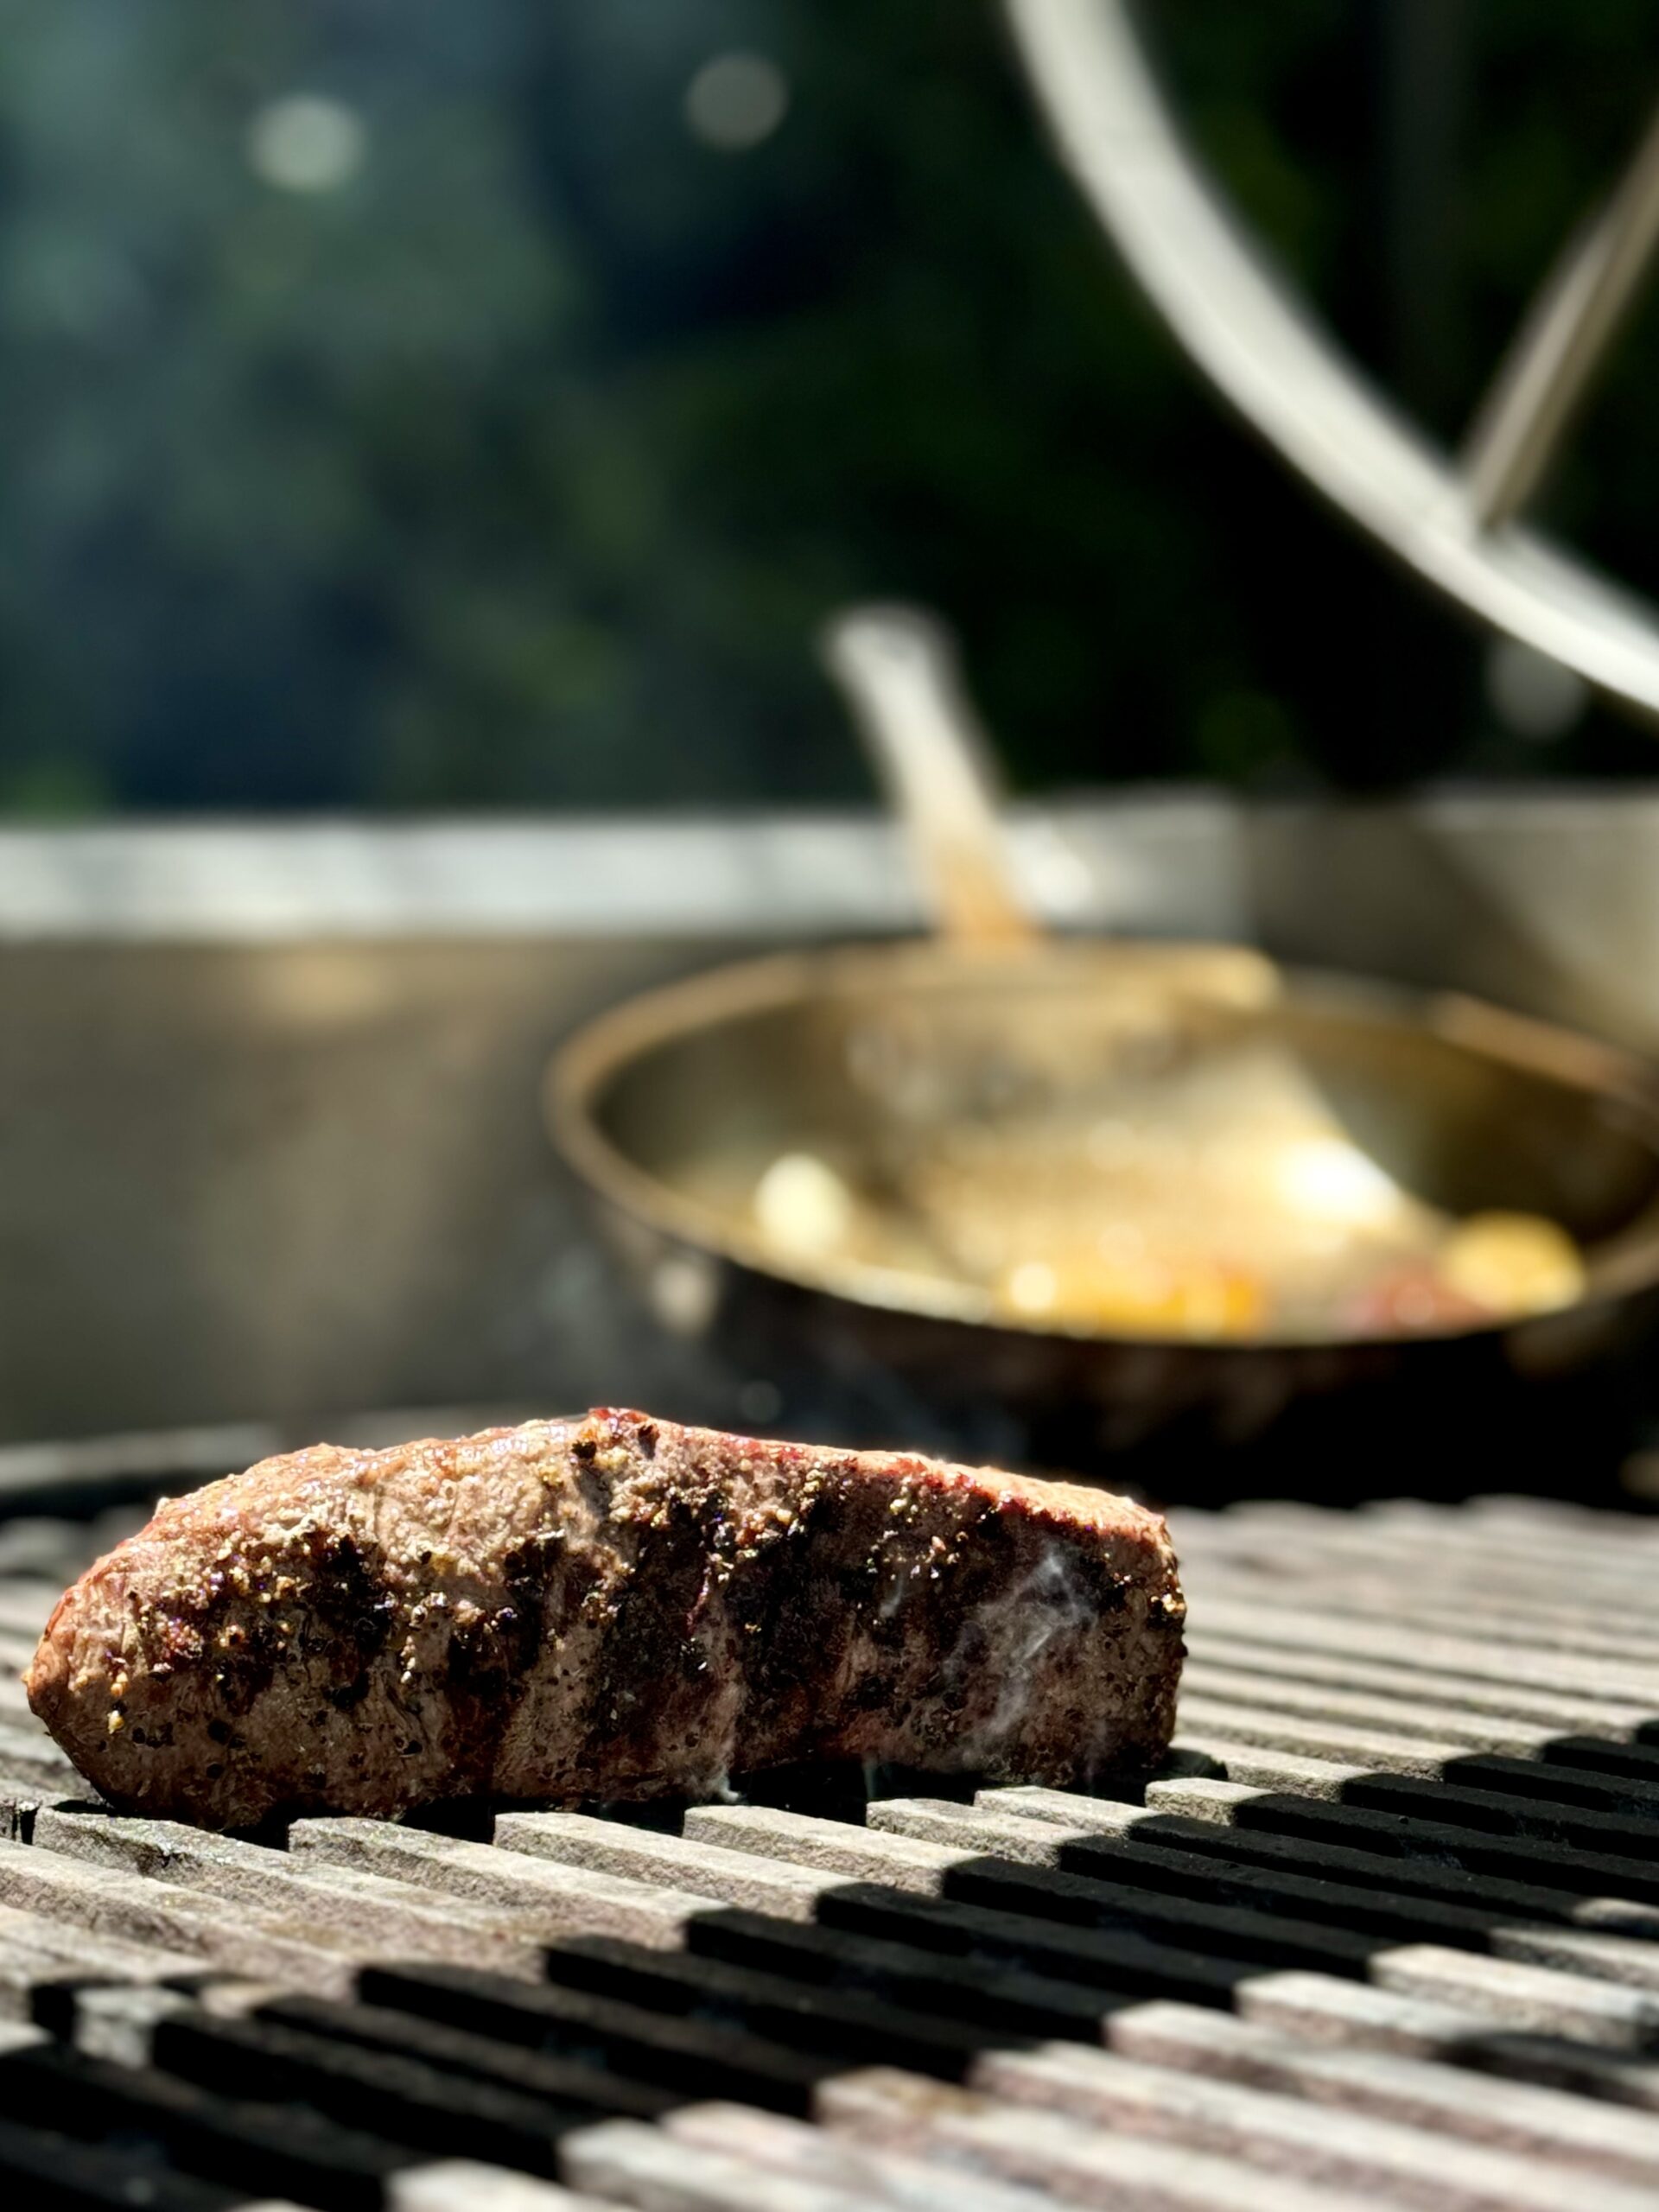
610 1608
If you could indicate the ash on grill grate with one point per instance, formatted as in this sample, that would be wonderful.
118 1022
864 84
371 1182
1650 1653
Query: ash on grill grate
1383 1934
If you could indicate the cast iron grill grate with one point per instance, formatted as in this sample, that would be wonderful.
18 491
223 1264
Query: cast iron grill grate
1383 1934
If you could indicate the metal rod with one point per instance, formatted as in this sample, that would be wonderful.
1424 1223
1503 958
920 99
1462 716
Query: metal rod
1562 342
897 670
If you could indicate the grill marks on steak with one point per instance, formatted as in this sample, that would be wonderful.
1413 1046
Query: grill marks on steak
614 1608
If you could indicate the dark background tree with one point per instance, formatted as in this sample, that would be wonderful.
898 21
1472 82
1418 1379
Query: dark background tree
503 440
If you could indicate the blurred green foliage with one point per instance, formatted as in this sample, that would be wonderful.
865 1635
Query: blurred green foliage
520 467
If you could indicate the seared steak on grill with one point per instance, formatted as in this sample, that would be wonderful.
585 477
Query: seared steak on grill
614 1607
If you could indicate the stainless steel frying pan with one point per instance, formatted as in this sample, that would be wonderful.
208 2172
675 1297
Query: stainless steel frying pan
1074 1199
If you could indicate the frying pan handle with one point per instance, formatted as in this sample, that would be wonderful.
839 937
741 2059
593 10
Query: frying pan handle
897 669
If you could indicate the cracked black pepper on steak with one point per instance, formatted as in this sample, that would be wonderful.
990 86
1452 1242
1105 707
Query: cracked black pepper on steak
615 1607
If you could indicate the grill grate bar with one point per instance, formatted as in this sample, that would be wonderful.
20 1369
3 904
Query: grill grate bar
1314 2010
1521 1996
1266 1615
1076 2162
1372 1750
1528 2119
64 2171
635 2044
1523 1620
1280 2134
408 2101
640 2166
1394 1715
153 1915
1390 1912
1604 1812
463 2185
851 2025
1127 1958
561 2069
1496 1699
573 1900
1267 1799
366 1911
212 2137
1010 1999
812 2154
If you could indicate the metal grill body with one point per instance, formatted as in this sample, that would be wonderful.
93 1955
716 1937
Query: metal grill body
1382 1933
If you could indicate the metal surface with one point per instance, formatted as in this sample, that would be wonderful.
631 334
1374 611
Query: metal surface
1280 1979
1261 347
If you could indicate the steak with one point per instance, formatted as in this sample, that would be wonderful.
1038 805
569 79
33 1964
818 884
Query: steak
607 1608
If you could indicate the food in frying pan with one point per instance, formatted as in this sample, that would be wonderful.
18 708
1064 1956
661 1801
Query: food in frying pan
1127 1233
1485 1270
606 1608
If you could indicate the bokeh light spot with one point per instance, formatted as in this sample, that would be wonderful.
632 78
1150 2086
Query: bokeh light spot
1532 694
735 101
304 143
